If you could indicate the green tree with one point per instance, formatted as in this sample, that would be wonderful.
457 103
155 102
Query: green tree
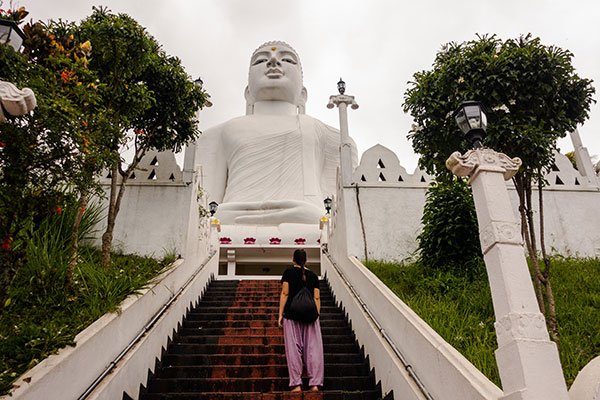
533 97
450 239
145 91
48 156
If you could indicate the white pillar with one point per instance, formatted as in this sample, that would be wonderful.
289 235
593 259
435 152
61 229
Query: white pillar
527 359
342 101
230 263
583 160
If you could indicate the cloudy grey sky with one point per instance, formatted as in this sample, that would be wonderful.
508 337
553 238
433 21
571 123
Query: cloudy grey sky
375 45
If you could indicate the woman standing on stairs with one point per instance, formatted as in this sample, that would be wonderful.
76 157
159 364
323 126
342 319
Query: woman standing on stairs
303 342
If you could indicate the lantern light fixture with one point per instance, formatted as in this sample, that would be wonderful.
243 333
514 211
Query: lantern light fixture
212 207
11 34
472 121
341 86
327 202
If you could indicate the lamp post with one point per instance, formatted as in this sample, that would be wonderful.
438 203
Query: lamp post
527 360
200 83
342 101
189 160
11 34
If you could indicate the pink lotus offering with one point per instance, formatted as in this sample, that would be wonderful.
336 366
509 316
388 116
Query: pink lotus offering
249 240
275 240
300 241
225 240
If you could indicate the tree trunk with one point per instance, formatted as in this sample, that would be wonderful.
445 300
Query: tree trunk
521 187
540 278
82 204
116 195
107 236
551 304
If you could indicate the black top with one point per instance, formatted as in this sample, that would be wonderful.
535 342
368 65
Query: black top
293 276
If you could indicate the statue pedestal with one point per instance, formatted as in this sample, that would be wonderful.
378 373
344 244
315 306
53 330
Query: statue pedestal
264 235
255 251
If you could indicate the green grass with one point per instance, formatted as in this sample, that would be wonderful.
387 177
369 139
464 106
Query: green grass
42 313
460 309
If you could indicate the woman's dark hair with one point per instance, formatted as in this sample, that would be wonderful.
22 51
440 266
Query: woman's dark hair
300 259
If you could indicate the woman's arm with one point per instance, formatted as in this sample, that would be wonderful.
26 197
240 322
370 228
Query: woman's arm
285 290
317 295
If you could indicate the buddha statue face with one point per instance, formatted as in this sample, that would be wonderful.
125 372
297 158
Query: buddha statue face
275 75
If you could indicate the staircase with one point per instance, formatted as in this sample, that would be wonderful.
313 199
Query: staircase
229 347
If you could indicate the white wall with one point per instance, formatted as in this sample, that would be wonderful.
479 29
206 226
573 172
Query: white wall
159 211
392 208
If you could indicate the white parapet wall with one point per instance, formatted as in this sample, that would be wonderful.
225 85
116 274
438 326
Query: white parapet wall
68 374
159 211
442 370
384 204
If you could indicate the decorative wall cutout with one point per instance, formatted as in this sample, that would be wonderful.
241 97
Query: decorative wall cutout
563 174
380 166
155 167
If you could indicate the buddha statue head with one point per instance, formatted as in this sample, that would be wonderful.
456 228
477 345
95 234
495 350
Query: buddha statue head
275 75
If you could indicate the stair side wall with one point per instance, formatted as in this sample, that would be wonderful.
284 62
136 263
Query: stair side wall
99 344
444 372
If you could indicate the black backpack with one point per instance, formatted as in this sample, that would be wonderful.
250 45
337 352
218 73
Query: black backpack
303 306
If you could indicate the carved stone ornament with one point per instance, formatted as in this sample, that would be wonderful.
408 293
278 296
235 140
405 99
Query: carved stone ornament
528 326
342 99
500 232
483 159
15 101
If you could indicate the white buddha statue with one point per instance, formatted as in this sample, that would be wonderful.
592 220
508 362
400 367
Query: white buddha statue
274 166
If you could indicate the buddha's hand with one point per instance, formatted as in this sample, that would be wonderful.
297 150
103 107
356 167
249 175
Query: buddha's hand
271 212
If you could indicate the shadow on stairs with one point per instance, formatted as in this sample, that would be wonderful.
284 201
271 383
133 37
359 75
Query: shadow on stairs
229 347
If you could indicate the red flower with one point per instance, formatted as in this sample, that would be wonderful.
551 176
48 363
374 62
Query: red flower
2 145
67 75
82 209
58 210
7 243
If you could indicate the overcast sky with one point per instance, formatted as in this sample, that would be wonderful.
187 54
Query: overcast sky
374 45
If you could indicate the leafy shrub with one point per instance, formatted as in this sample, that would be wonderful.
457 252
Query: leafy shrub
47 251
450 236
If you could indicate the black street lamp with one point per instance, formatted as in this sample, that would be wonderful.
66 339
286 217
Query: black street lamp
327 202
472 121
11 34
199 82
212 207
341 86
